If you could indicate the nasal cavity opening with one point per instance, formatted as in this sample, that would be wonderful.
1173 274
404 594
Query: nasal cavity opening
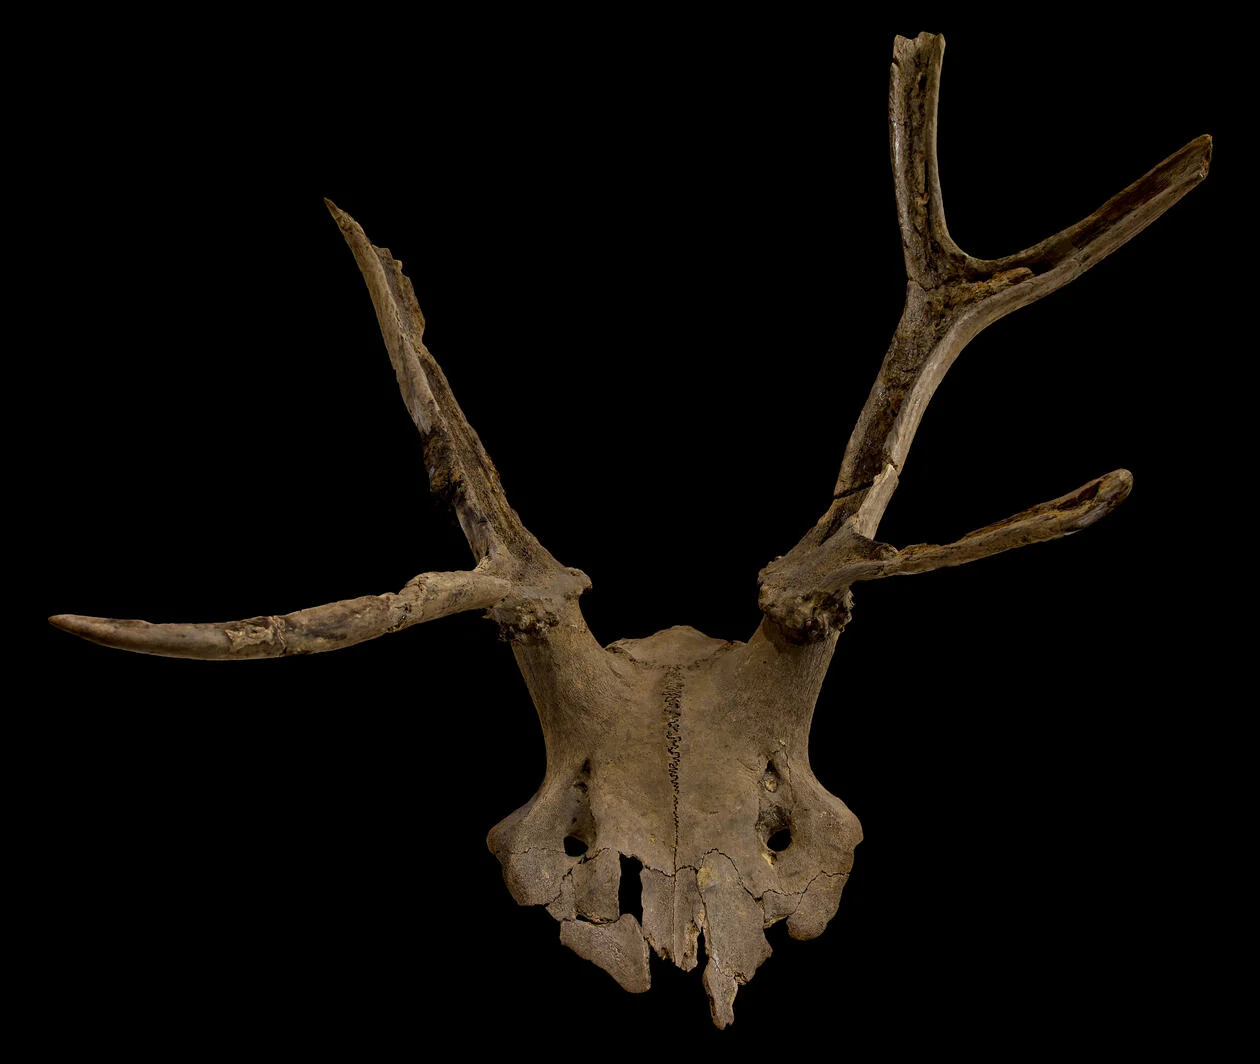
780 840
630 892
574 846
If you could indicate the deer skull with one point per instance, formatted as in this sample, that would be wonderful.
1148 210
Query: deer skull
688 754
681 758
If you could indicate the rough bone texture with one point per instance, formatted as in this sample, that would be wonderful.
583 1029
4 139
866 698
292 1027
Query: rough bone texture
684 753
689 754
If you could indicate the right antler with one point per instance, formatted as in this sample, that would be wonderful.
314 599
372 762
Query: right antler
527 587
950 297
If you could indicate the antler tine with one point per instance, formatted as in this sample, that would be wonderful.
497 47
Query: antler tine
460 471
849 557
950 297
330 627
914 89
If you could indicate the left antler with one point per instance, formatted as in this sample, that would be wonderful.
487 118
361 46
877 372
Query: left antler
515 574
950 297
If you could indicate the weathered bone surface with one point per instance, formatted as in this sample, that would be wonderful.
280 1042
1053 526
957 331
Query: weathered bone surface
681 756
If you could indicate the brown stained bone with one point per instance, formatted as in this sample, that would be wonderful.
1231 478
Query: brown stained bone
950 297
687 753
338 624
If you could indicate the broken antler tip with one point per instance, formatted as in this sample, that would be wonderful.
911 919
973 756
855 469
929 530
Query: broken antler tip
1089 503
1204 144
931 44
1193 160
1114 487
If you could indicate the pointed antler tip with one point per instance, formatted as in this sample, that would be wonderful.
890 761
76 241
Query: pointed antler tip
93 628
342 219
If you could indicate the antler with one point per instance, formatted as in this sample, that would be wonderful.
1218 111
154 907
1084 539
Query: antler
950 297
331 627
514 574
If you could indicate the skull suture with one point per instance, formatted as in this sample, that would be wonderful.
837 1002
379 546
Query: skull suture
679 757
687 754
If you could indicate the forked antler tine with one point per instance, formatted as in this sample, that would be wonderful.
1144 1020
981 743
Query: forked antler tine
934 330
932 257
311 631
950 297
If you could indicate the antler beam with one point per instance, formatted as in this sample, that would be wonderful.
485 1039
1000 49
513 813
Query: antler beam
515 573
950 297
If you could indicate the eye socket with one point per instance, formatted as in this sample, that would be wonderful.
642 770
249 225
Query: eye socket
574 846
780 840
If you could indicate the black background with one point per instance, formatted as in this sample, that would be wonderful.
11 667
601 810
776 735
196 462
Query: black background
660 268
